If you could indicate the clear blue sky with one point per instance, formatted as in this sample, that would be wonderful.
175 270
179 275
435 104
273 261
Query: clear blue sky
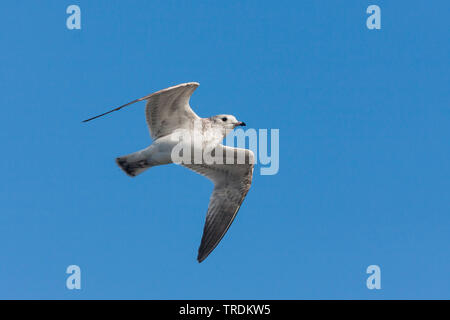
364 119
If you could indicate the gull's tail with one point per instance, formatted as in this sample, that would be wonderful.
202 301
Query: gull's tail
134 163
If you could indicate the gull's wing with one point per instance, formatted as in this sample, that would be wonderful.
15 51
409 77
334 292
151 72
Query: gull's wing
169 109
166 110
231 184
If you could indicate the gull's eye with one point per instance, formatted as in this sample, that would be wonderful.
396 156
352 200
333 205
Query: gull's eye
224 119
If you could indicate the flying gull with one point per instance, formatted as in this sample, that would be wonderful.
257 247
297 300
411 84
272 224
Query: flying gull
168 114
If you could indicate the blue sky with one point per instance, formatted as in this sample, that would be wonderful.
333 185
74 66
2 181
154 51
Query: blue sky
364 124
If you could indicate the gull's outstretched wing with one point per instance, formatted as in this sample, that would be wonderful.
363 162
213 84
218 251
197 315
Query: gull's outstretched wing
231 184
166 110
169 109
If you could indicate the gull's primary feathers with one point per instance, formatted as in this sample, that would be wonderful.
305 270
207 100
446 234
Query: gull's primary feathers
167 112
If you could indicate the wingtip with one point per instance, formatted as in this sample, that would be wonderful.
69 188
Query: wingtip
201 257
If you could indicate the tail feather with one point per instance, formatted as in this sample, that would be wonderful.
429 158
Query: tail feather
132 164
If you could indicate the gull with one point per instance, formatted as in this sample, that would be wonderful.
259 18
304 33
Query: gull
168 113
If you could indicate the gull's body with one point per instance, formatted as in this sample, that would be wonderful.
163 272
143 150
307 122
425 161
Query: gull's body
168 113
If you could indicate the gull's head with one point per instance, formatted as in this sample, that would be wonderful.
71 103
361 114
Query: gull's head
227 121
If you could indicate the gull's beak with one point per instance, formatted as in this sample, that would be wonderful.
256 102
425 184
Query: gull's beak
240 124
